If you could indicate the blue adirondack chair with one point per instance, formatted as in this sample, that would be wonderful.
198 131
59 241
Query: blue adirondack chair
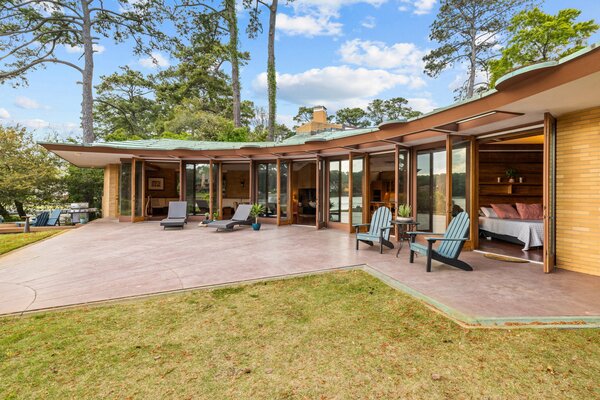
452 243
54 218
379 230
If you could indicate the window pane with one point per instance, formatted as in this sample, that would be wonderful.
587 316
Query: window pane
424 191
202 189
334 191
216 188
357 192
403 181
189 187
139 201
459 180
344 191
272 190
283 189
125 190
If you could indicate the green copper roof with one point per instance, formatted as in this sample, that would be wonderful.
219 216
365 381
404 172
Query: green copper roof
174 144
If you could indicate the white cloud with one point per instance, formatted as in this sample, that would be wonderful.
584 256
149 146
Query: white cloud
333 86
155 60
423 104
399 56
331 7
420 7
4 114
308 25
369 22
98 48
35 123
27 103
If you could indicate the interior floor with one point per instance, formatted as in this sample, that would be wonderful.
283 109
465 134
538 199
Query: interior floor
511 250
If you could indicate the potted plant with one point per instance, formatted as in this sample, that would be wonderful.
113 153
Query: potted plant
511 173
255 211
404 213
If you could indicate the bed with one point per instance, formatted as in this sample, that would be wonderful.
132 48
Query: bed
528 233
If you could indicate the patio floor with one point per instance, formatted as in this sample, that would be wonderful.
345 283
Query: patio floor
107 260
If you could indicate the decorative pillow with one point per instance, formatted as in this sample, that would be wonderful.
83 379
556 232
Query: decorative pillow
506 211
530 211
489 212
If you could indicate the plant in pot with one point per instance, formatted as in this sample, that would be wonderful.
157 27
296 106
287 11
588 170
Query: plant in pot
255 211
511 173
404 213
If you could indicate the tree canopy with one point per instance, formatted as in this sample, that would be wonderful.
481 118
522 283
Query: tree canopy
468 33
536 37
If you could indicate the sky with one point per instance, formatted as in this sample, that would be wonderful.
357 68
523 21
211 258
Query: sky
335 53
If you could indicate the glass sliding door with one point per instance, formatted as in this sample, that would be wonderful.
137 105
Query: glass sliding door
139 190
216 188
403 180
460 180
266 188
339 191
431 190
357 190
283 190
382 181
197 188
125 189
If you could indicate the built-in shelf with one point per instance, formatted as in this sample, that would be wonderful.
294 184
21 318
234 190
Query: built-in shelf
508 189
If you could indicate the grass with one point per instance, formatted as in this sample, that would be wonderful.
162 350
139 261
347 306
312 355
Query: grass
12 241
334 336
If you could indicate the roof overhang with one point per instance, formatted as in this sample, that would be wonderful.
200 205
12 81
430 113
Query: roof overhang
520 100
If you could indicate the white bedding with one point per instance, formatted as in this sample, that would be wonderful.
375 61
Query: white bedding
529 232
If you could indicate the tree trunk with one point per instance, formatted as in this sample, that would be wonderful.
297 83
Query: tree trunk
473 61
235 63
20 209
87 103
4 212
271 76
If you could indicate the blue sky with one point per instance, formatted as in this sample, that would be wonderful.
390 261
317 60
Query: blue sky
336 53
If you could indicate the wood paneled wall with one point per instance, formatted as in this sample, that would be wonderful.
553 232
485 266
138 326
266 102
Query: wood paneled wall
495 159
110 195
578 192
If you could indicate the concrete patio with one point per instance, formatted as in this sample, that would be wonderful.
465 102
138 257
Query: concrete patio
107 260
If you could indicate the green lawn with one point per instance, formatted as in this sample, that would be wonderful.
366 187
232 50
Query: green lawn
12 241
335 336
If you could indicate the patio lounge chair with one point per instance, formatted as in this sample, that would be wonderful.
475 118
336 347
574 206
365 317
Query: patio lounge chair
452 243
41 219
54 218
379 230
177 216
240 217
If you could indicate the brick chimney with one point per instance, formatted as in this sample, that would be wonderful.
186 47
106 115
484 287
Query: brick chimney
320 114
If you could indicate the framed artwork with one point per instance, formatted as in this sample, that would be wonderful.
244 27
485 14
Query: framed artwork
156 183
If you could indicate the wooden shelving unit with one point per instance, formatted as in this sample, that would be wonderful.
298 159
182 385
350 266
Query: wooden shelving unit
516 189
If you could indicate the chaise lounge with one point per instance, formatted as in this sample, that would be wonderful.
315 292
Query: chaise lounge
240 217
177 216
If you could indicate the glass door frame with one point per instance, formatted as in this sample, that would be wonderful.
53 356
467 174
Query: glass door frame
413 162
134 198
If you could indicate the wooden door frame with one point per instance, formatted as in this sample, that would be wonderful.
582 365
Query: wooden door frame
549 192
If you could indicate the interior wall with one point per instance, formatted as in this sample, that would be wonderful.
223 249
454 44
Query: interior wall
170 178
495 159
578 192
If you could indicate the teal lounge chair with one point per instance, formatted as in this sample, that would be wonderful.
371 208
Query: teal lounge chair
452 243
379 230
54 218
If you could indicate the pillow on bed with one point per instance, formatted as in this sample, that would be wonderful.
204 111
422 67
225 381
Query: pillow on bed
506 211
489 212
530 211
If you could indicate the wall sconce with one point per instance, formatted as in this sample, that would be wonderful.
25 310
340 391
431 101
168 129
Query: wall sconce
243 183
